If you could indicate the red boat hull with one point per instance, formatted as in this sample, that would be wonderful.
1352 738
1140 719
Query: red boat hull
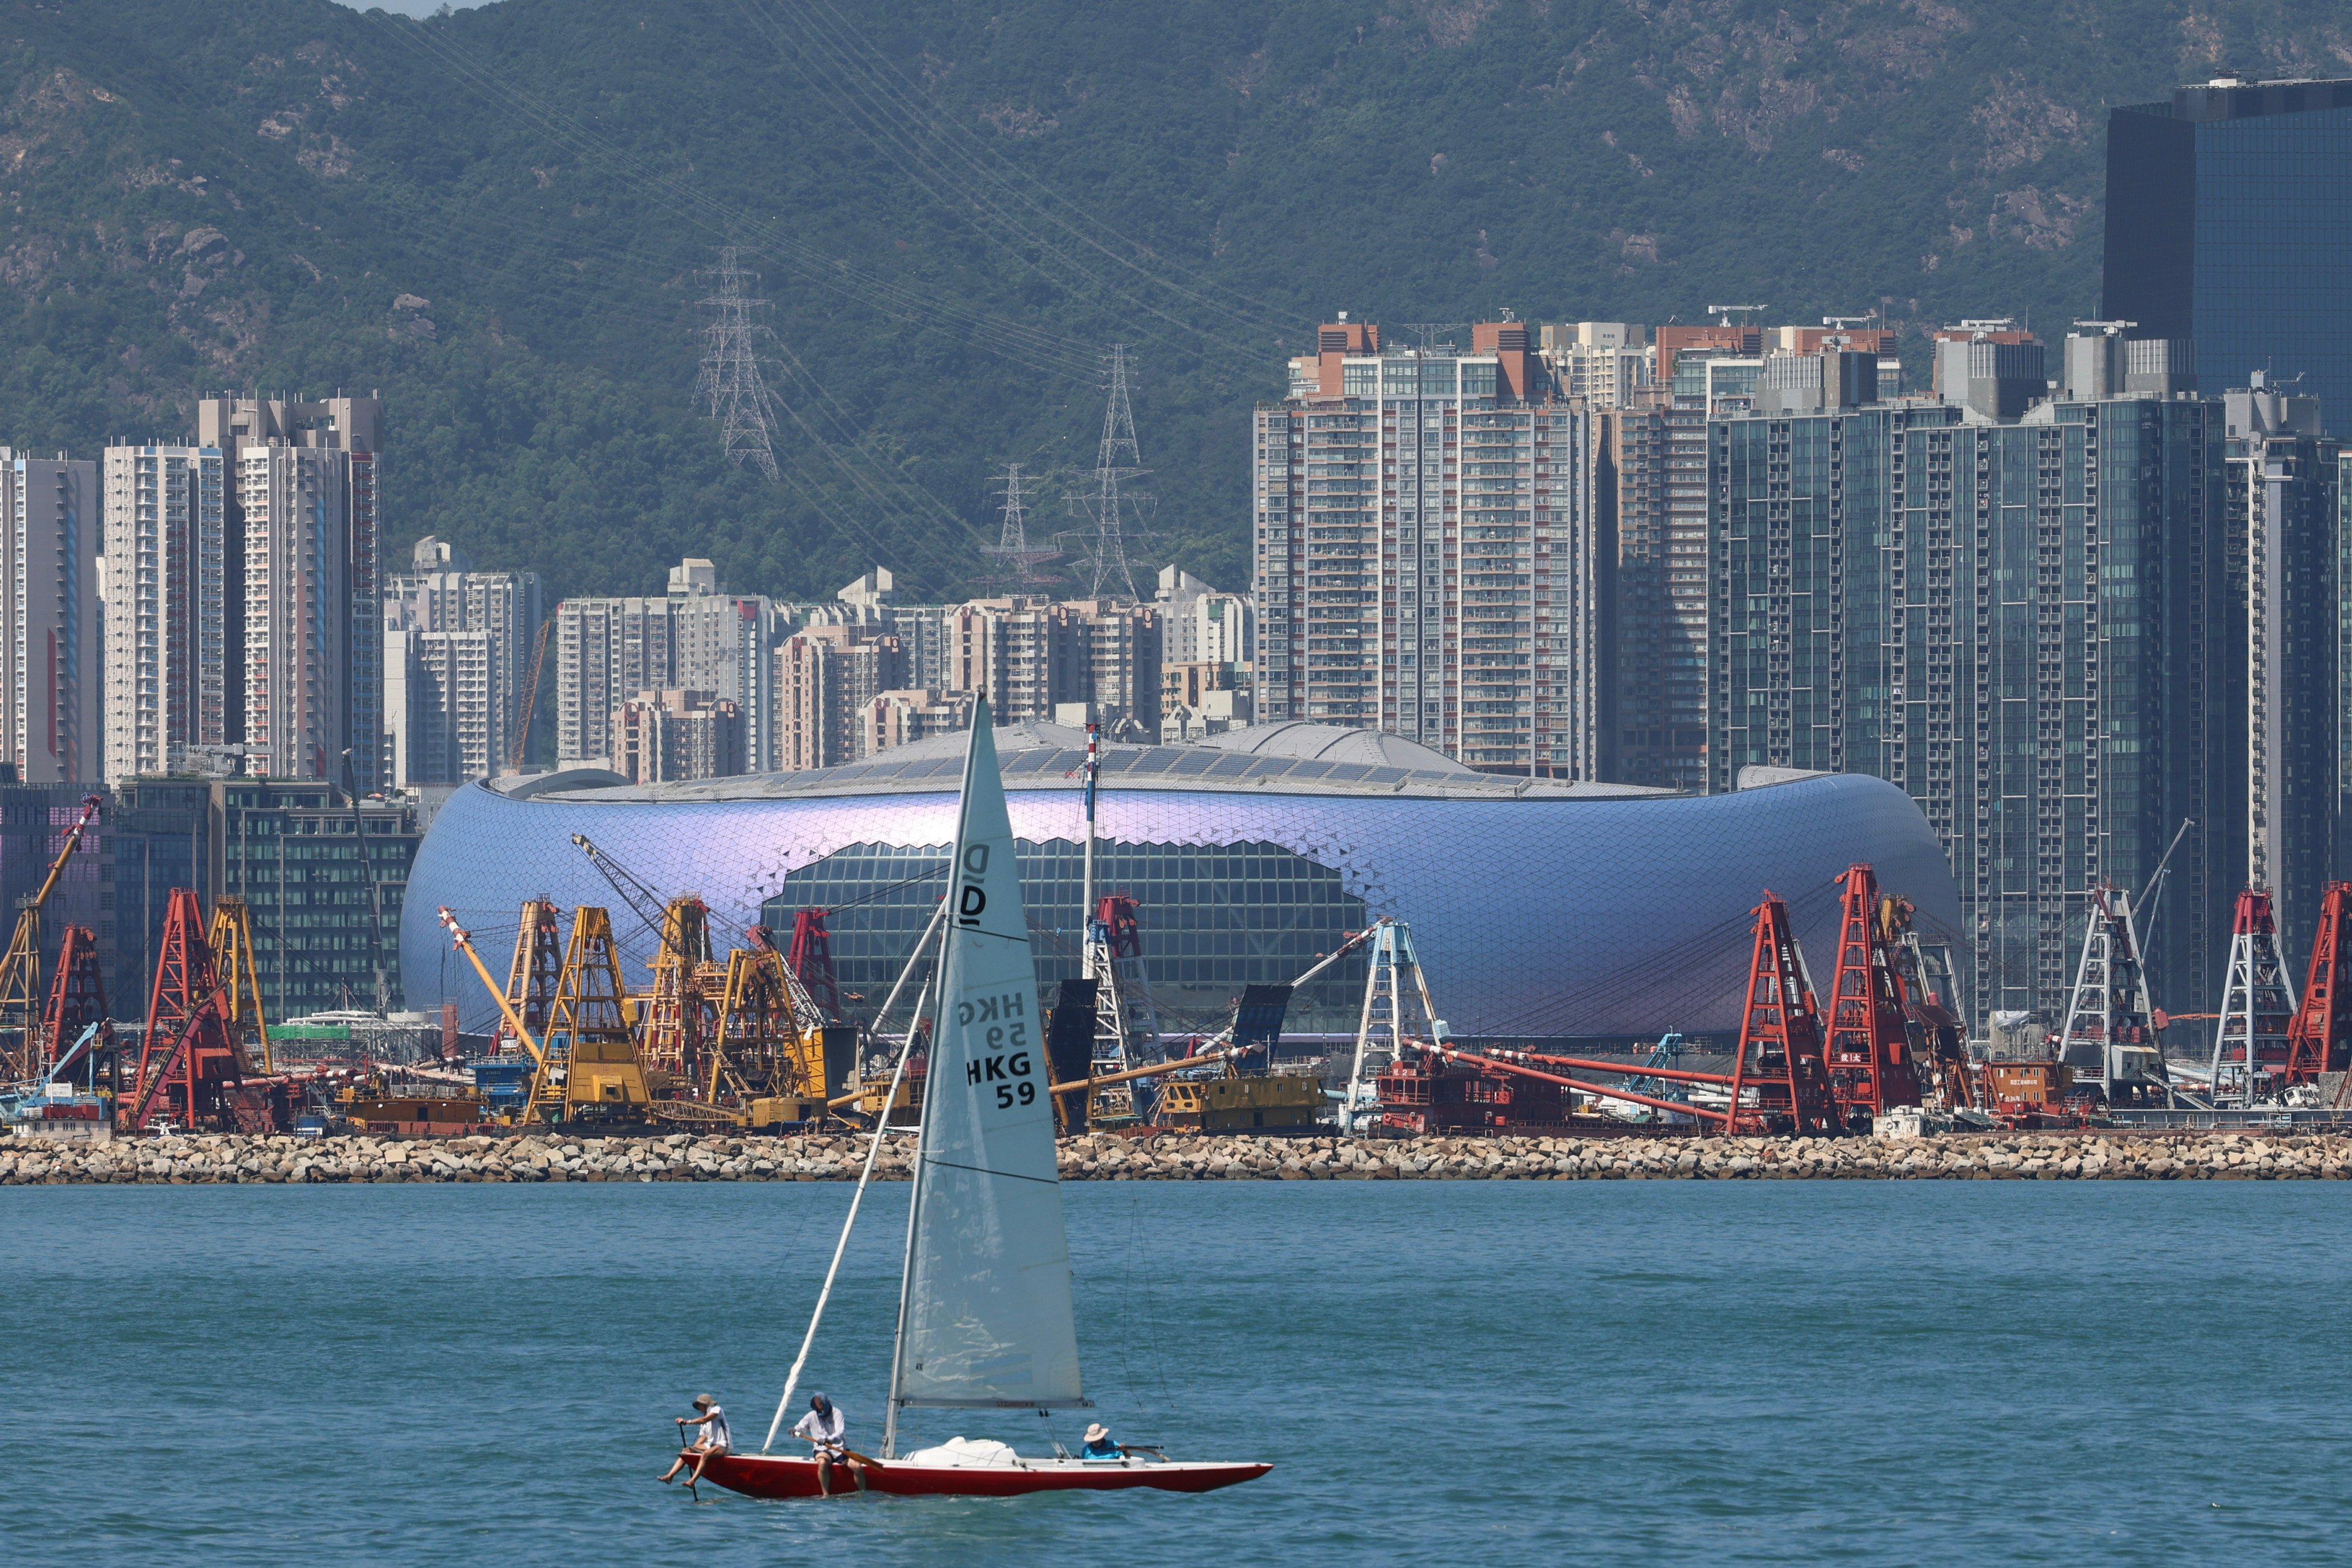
776 1476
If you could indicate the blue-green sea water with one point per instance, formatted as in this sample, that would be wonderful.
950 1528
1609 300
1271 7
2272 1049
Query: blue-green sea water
1488 1373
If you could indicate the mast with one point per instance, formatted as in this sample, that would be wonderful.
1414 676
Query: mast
1086 892
881 1129
914 1213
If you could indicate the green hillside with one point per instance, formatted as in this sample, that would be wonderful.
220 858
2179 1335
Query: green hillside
497 217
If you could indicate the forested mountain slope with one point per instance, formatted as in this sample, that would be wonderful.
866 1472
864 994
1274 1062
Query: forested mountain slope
497 219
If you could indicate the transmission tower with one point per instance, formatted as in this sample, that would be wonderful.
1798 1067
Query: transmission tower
1019 563
1110 508
730 382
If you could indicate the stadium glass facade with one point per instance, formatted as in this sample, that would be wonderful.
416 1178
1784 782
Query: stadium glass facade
1219 918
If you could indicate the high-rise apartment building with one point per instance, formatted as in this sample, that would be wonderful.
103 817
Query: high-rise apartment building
168 607
299 680
1424 522
51 630
2279 660
317 616
826 678
2066 634
695 638
2228 213
1200 626
673 736
896 718
457 650
1605 362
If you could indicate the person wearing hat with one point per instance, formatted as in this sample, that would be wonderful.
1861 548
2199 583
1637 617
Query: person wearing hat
825 1426
1100 1445
712 1439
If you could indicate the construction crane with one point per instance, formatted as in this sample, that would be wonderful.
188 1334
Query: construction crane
644 903
231 936
675 1027
544 1079
522 748
21 996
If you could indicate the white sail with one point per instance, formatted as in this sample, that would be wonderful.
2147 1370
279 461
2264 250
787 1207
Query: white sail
986 1317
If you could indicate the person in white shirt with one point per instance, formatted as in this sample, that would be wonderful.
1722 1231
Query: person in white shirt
712 1439
825 1426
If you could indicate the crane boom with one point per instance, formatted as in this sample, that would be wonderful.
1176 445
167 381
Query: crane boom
649 906
20 972
89 804
465 944
520 749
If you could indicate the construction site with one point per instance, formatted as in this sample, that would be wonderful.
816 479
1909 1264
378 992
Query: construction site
674 1024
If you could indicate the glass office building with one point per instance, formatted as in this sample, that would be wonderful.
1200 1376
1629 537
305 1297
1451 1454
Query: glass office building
291 849
1541 908
2229 219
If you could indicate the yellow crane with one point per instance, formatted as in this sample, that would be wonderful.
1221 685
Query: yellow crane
588 1062
544 1075
232 943
21 998
590 1017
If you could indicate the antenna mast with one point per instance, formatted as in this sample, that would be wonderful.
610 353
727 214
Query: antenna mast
729 384
1109 505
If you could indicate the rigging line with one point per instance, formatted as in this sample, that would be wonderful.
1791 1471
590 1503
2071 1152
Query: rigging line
712 214
845 48
824 82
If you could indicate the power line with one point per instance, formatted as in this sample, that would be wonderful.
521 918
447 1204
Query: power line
730 382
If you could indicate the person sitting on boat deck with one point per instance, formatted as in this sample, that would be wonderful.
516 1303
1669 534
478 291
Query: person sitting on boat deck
825 1426
711 1440
1100 1445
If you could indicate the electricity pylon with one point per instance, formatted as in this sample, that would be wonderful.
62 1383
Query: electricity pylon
729 384
1020 563
1110 505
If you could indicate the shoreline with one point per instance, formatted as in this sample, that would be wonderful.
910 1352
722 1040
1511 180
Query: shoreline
547 1156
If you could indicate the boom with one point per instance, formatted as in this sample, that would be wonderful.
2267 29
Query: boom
20 972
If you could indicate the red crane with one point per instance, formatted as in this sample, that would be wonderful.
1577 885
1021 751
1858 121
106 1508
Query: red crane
2320 1038
1869 1047
26 1053
810 962
1781 1037
189 1061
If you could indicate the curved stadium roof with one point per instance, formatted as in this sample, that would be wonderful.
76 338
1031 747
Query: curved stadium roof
1297 758
1540 909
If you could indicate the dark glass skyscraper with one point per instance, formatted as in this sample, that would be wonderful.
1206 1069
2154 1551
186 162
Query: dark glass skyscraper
2229 219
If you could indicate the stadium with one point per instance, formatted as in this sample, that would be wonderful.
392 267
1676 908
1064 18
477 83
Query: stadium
1540 910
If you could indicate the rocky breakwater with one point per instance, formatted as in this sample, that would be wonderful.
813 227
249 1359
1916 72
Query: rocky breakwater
547 1156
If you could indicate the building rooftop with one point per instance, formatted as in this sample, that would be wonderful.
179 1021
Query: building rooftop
1288 758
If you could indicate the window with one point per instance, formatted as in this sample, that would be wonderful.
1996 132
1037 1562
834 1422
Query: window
1214 918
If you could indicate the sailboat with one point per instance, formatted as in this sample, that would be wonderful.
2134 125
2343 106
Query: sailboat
985 1319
